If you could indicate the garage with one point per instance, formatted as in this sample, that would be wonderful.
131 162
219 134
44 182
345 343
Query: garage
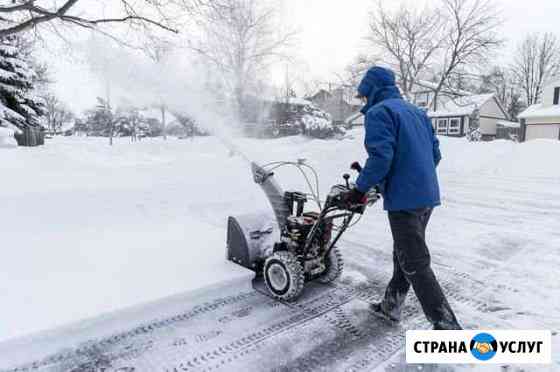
548 131
542 120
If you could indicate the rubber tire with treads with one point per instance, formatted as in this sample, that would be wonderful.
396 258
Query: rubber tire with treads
334 266
294 277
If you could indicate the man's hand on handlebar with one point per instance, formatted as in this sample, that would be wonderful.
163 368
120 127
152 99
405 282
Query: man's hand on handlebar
350 198
354 200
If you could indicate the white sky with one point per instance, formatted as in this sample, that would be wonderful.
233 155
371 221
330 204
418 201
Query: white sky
331 35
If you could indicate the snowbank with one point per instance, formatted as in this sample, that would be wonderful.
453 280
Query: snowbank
7 139
501 157
88 229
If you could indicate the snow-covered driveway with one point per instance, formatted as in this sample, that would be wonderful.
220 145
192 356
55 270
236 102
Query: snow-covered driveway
88 229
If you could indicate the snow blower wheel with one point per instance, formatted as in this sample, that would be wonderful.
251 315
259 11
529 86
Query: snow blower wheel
284 276
334 265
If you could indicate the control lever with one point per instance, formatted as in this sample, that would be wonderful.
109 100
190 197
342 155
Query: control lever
346 177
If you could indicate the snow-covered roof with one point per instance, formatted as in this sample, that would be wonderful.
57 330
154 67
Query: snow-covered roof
319 92
299 101
540 111
351 101
509 124
461 106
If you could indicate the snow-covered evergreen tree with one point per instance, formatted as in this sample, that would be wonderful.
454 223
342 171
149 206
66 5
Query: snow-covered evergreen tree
19 106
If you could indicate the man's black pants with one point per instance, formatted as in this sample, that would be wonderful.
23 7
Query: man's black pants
411 260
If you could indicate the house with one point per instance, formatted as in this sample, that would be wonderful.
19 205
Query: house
423 92
337 102
542 120
457 117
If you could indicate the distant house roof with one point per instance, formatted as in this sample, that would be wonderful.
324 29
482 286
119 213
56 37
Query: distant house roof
461 106
320 92
325 94
299 101
508 124
540 111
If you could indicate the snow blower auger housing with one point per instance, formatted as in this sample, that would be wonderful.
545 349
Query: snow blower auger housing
297 246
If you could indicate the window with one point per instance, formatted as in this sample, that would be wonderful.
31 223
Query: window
454 126
556 96
442 126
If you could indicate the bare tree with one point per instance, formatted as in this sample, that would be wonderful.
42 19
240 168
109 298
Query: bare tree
536 62
157 52
502 82
470 38
440 43
24 15
56 113
408 40
241 39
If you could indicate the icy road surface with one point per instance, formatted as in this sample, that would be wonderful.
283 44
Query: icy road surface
112 228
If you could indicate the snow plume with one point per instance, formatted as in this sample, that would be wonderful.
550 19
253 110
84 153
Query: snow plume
175 79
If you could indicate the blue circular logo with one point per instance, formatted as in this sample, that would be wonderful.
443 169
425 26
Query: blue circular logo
483 346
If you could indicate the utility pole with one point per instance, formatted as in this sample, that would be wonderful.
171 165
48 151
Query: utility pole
163 121
109 112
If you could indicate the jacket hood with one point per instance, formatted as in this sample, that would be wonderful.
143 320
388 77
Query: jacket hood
378 85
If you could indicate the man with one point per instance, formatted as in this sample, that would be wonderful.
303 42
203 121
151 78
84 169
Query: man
403 155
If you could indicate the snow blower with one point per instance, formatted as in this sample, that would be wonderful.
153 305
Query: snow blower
296 246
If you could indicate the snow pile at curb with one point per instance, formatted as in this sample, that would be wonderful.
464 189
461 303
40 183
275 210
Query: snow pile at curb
534 158
7 139
530 159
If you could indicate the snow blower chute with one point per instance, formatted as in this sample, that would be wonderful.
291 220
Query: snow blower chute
297 246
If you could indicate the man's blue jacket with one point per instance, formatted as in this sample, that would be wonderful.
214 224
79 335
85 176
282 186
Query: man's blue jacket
402 147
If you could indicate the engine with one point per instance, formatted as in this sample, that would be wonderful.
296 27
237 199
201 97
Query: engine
299 225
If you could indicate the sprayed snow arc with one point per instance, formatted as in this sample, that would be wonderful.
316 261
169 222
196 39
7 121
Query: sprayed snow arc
131 231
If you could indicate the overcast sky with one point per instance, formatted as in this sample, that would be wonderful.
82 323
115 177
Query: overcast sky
332 34
332 31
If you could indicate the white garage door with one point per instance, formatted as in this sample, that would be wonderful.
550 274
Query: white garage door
551 131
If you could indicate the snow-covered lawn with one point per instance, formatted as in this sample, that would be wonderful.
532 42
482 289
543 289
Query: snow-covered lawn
88 229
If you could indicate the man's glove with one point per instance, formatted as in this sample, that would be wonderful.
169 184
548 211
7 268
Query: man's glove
355 200
355 196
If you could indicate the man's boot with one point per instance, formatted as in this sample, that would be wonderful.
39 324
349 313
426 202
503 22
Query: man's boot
380 310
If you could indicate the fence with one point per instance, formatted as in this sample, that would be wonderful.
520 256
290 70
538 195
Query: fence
30 137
